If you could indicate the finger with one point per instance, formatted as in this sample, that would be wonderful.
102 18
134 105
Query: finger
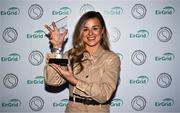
69 68
48 36
55 68
64 34
58 67
54 26
52 42
49 28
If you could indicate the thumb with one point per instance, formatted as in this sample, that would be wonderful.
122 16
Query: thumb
65 33
69 68
54 43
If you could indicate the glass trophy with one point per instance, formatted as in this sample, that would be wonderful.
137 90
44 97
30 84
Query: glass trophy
62 26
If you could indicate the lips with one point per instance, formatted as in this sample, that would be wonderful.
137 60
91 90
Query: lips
91 38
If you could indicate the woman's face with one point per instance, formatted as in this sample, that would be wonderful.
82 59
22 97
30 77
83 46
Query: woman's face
92 32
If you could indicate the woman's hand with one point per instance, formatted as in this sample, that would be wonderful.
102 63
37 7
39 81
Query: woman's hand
55 37
66 74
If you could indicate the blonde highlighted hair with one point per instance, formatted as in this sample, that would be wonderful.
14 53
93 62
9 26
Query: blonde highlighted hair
76 53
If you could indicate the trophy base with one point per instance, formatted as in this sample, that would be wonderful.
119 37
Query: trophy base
62 62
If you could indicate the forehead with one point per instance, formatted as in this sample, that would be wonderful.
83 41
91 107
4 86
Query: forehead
92 22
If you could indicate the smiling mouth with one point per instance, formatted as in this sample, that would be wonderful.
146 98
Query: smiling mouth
91 38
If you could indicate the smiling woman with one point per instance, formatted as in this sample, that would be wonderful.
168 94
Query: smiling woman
92 32
93 72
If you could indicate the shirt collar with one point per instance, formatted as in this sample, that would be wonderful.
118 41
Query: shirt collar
95 55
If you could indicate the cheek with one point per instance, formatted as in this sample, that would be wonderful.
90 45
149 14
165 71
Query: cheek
84 38
98 38
85 34
98 33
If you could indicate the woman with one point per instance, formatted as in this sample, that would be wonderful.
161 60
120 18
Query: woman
93 71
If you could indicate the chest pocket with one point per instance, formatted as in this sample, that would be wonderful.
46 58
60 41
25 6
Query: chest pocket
93 70
97 69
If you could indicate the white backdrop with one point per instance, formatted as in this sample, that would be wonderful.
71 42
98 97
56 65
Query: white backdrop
144 33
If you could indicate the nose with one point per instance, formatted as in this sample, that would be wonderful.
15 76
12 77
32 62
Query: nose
90 32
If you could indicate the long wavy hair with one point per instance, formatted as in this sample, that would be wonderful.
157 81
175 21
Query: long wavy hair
76 53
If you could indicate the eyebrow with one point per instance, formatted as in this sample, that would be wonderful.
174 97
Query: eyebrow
93 26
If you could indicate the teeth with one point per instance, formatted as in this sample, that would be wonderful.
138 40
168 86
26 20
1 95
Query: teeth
92 38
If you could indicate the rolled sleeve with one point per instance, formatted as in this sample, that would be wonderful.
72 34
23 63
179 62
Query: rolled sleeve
52 77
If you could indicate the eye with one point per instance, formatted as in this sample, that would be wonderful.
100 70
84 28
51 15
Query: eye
95 28
85 29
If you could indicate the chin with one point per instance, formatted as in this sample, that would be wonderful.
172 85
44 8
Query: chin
92 44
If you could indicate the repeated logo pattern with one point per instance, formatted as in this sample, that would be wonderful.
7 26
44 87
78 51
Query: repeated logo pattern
36 103
164 80
115 34
138 103
36 57
164 34
138 11
10 80
138 57
143 34
35 11
86 8
10 35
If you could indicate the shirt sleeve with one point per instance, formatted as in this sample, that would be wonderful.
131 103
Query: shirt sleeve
51 76
102 91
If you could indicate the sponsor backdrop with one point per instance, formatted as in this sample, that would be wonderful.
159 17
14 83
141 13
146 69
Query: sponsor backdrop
145 35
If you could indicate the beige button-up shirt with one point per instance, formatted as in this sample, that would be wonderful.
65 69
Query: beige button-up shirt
98 80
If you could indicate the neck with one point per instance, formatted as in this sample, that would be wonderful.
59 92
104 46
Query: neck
92 50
